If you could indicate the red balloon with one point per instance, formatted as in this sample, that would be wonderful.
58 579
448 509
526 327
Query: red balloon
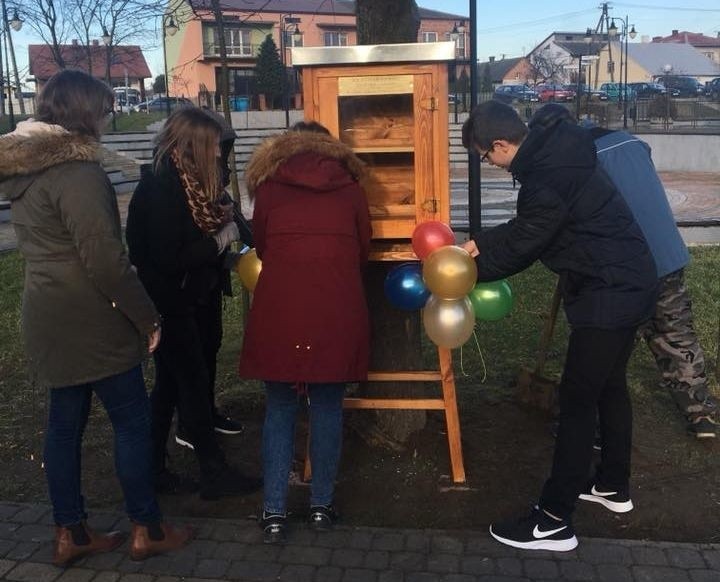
429 236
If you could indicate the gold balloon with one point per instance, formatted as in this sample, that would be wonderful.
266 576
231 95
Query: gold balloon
248 269
449 323
450 272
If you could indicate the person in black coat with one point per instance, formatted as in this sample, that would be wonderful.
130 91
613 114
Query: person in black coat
178 233
572 219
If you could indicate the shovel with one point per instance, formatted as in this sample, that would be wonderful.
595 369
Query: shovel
534 388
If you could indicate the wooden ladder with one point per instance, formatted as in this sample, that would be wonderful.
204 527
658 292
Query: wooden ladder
447 402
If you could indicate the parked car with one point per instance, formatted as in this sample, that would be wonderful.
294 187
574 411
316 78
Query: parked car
515 94
614 90
685 86
712 89
553 92
595 94
650 90
160 104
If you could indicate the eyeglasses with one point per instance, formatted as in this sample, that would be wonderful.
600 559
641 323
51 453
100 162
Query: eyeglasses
484 157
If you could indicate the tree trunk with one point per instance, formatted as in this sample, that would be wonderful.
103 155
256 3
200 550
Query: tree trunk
380 21
224 90
395 333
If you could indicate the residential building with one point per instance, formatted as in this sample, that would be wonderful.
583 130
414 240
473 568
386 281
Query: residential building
128 67
505 71
193 59
648 61
709 46
557 58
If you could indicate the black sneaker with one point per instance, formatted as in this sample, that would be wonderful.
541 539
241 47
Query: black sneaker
703 427
617 501
274 526
226 425
537 531
322 517
227 481
183 440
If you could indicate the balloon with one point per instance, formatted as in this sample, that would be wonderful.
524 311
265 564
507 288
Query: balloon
491 301
248 269
429 236
404 287
449 323
450 272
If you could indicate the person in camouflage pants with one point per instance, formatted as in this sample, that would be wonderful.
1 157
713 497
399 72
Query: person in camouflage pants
671 337
670 333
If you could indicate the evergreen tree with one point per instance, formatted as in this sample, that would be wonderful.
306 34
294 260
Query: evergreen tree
486 85
159 85
269 70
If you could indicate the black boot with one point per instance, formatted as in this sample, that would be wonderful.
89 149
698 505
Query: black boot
223 480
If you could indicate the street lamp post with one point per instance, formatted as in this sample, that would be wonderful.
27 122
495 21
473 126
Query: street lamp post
587 40
169 29
624 35
16 25
107 41
458 32
288 23
667 69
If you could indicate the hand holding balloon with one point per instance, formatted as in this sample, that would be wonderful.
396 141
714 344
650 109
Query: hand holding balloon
471 247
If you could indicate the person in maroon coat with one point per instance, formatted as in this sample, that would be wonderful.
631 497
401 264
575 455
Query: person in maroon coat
308 328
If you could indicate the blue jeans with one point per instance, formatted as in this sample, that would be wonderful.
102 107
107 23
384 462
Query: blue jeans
325 403
126 402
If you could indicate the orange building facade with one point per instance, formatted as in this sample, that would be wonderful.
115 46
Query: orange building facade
193 53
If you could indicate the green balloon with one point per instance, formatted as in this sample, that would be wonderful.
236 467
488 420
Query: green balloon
491 301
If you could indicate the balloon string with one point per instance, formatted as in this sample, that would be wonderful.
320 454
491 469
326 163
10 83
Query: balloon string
482 359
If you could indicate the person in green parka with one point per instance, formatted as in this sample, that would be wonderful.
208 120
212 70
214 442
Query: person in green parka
87 321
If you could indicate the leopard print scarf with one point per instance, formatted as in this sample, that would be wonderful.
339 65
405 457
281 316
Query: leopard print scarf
206 213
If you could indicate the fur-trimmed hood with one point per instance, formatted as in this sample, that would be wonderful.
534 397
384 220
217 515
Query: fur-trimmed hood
270 159
33 148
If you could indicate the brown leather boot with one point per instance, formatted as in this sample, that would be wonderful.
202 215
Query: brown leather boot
68 551
142 546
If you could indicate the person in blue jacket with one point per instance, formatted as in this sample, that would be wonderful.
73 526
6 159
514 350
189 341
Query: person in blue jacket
670 333
572 219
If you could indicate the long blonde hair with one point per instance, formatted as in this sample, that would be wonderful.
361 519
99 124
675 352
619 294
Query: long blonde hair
192 136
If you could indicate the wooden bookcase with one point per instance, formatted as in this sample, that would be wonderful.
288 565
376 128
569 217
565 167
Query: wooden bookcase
389 103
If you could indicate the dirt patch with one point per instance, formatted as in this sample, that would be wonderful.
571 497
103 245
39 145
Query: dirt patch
507 452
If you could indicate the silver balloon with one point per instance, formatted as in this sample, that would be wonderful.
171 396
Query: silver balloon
449 323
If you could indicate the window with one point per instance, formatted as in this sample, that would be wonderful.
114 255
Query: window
335 38
429 37
237 42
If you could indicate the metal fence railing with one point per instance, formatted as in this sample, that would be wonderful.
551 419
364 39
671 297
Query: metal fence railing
700 115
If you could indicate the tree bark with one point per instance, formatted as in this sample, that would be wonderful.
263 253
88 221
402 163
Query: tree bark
395 333
380 21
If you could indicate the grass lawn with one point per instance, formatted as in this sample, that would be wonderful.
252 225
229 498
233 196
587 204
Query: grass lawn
123 121
507 447
505 345
135 121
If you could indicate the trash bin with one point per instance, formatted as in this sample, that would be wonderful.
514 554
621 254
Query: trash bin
240 103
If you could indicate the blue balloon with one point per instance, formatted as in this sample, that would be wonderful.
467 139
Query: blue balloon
405 288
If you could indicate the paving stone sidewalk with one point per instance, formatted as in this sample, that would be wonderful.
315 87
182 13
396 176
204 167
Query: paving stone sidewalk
233 550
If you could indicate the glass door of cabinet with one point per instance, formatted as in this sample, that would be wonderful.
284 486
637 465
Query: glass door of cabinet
387 121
